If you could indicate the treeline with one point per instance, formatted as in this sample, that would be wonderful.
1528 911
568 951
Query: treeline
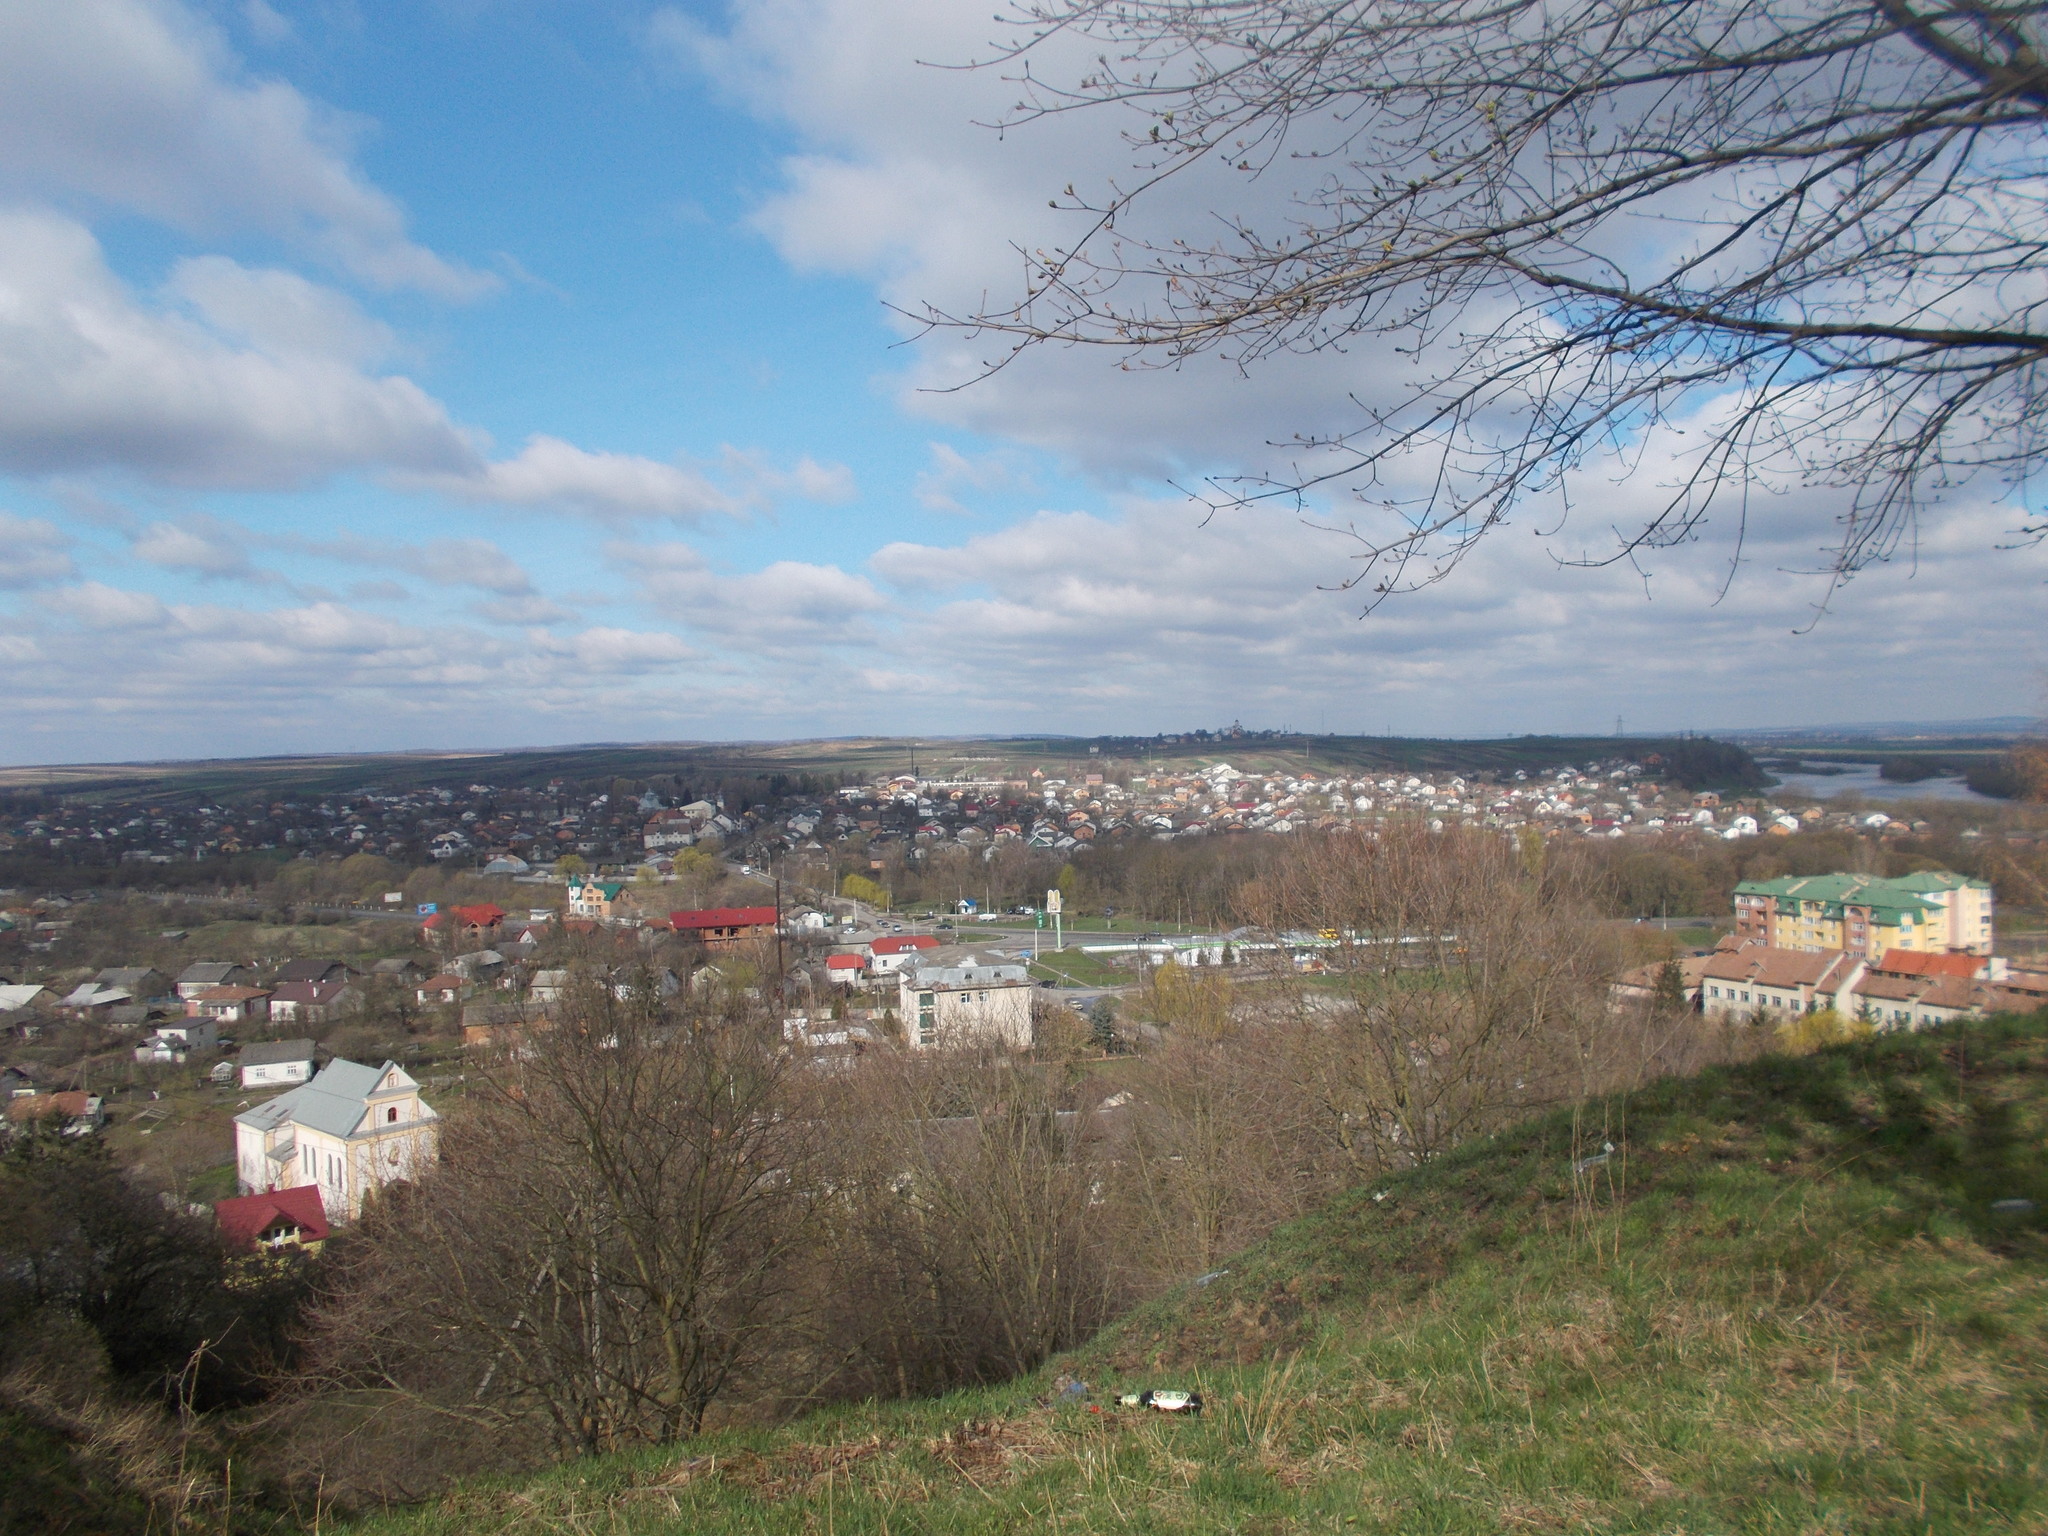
1201 880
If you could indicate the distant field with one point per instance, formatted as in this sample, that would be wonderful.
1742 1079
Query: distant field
857 758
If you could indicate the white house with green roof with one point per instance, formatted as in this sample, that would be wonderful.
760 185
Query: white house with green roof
596 899
1931 912
352 1129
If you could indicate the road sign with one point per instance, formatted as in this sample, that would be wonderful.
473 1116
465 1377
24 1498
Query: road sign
1054 902
427 908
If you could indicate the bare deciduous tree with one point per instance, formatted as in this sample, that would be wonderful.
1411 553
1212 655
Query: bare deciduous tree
1806 235
1473 991
618 1233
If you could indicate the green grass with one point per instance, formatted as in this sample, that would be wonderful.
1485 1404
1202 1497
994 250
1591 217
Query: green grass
1787 1302
1072 968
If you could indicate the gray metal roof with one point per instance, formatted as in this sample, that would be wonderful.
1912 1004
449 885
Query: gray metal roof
210 973
268 1053
957 968
332 1102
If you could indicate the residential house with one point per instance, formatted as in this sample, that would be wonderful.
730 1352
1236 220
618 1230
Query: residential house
479 923
886 956
1744 977
276 1063
443 989
480 966
16 1080
845 970
204 975
349 1132
725 927
1934 911
232 1005
668 829
71 1114
142 983
1913 963
19 997
1916 1002
312 1002
175 1039
404 970
315 971
961 999
274 1221
548 987
631 980
495 1022
94 997
1640 984
598 900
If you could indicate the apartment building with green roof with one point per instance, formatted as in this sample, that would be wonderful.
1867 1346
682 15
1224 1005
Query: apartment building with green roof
1933 912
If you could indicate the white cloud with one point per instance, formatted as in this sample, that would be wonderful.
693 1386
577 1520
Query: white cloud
91 379
33 551
619 650
939 486
279 312
548 472
525 611
902 179
466 562
623 488
97 606
788 605
203 545
138 104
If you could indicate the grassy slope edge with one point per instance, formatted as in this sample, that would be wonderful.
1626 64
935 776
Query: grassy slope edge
1797 1297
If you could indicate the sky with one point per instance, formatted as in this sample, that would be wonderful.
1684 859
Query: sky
482 373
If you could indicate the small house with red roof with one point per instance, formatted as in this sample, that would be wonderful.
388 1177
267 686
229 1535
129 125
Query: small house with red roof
898 950
724 927
273 1220
479 922
1918 963
845 970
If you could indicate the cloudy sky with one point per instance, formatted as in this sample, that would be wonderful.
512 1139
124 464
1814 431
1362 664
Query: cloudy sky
500 372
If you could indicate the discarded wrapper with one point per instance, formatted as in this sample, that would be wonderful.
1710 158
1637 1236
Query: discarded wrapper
1167 1401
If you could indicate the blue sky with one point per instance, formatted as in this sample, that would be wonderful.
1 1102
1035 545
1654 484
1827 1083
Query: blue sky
470 373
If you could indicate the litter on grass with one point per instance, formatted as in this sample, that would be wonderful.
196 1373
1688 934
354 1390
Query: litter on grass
1167 1401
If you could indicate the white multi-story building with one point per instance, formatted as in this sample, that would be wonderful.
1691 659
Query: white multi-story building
962 1000
349 1131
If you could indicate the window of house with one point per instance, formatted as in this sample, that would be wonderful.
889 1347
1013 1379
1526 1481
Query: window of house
391 1115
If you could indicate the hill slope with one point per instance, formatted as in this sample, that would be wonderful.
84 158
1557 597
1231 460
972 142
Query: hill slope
1806 1294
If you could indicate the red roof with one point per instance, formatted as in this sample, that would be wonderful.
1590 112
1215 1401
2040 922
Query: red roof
723 917
844 963
246 1218
896 945
41 1106
488 915
1912 962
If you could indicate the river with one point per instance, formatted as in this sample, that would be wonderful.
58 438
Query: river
1862 779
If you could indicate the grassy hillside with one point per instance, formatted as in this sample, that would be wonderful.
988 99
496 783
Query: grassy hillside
1797 1296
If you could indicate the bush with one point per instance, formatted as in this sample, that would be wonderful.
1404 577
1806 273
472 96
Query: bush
1810 1032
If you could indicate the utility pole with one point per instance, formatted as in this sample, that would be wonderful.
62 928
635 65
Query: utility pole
781 972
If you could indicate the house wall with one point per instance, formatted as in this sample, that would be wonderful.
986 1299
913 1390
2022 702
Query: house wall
277 1074
967 1017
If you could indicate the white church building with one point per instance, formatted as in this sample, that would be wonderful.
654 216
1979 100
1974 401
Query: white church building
350 1130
